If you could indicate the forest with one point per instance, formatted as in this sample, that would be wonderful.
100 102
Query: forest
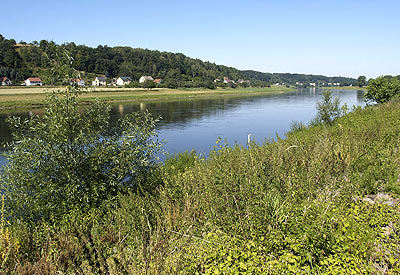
19 61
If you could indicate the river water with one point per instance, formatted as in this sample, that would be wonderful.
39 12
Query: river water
196 123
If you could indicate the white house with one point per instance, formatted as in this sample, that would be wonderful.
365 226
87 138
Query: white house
77 81
313 84
227 80
33 81
99 81
123 80
5 81
145 78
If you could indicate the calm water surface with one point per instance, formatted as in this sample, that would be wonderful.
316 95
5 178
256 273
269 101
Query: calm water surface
198 123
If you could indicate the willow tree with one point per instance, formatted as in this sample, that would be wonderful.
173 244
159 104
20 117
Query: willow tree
73 156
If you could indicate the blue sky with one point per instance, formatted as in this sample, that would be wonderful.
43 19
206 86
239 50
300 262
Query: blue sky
346 38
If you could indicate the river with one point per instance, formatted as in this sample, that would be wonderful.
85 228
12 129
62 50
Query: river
196 123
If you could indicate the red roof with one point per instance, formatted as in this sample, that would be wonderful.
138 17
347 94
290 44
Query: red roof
31 79
3 78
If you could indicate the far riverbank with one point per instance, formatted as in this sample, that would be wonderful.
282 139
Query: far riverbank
31 97
352 88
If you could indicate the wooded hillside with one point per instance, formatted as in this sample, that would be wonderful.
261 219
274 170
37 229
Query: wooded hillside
21 60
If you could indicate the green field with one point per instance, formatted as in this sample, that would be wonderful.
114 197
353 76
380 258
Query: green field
25 97
354 88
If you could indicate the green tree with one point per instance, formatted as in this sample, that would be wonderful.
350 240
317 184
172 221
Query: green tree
362 81
382 89
72 157
210 85
328 109
149 84
172 83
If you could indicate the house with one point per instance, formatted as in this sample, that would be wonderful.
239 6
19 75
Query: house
123 80
99 81
145 78
227 80
77 81
5 81
217 80
241 81
157 81
313 84
33 81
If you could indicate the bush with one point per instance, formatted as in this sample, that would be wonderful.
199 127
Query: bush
328 109
178 163
382 89
70 158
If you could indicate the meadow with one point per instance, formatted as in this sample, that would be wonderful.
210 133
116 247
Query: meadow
25 97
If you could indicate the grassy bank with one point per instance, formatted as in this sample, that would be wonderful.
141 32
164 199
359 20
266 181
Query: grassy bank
25 97
294 206
353 88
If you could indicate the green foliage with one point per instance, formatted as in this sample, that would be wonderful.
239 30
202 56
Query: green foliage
178 163
148 84
172 83
328 109
35 58
296 126
293 199
294 206
293 78
362 81
61 71
382 89
69 157
8 56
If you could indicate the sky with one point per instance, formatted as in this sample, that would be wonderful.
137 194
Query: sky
328 37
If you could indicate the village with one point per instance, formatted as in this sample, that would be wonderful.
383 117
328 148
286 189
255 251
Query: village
98 81
126 80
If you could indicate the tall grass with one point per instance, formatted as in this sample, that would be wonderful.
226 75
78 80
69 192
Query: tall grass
287 207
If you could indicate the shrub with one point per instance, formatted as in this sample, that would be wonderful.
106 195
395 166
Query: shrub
70 158
178 163
382 89
328 109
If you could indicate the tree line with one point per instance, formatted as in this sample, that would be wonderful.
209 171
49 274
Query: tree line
19 61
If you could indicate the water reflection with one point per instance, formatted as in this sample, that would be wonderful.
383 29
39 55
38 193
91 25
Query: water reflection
196 123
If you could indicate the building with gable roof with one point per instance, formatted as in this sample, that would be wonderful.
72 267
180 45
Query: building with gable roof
99 81
33 81
123 80
145 78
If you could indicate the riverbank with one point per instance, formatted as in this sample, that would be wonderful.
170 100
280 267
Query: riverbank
301 205
32 97
352 88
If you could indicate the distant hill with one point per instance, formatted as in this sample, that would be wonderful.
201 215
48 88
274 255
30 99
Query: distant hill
21 60
302 78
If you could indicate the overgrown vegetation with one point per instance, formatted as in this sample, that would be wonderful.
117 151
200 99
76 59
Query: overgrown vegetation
328 109
75 158
83 196
288 207
382 89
